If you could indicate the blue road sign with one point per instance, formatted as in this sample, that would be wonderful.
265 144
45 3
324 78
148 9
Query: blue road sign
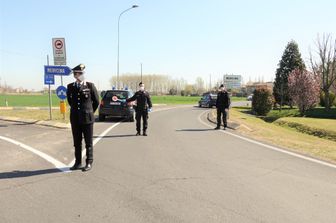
57 70
49 79
61 92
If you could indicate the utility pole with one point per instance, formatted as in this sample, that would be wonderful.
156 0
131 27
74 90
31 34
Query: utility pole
50 102
141 71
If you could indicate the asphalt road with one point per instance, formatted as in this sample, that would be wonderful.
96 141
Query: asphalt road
182 172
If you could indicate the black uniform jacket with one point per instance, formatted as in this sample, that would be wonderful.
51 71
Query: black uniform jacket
83 101
143 100
223 101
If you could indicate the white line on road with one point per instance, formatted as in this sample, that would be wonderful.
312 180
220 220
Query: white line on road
97 140
269 146
59 165
101 136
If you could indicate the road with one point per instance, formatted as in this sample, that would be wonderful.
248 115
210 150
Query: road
184 171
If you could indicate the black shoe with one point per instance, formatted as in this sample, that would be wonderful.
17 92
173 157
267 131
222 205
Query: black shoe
87 167
144 134
217 128
76 166
224 128
137 134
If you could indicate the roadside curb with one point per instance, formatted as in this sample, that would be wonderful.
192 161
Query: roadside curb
52 124
231 125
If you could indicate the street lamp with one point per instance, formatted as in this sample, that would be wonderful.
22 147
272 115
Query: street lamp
133 6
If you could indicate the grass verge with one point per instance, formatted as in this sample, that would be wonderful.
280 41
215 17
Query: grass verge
260 130
36 115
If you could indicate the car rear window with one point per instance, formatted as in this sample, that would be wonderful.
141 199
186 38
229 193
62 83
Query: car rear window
119 94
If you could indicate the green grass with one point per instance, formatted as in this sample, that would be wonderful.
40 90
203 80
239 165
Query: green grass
16 100
290 138
174 100
41 100
323 128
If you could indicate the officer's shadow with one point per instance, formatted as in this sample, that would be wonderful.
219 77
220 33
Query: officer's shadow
115 136
194 130
27 173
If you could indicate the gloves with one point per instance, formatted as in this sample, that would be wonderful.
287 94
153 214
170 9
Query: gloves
150 110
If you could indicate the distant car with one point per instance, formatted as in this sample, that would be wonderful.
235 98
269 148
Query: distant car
249 98
208 100
113 104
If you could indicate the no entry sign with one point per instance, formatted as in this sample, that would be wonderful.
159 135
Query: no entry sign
59 51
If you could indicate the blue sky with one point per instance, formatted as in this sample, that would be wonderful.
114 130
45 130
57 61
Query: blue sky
183 39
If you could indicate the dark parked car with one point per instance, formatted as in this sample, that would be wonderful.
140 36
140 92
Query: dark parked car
208 100
114 105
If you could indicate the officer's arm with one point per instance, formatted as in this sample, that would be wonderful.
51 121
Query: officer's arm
133 98
229 101
69 96
149 101
217 100
94 97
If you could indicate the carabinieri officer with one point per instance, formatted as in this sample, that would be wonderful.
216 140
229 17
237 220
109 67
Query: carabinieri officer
84 100
144 105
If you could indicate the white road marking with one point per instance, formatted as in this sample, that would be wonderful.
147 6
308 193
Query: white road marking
101 136
269 146
59 165
97 140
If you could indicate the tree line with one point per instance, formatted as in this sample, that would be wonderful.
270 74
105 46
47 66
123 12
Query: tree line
158 84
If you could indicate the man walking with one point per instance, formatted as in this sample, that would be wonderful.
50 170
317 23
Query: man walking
222 104
144 104
84 100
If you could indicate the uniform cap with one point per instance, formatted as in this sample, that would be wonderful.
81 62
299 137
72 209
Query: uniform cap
79 68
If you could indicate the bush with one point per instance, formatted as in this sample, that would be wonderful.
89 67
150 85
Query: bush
331 99
262 101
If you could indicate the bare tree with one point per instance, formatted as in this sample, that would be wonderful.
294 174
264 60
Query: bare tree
325 65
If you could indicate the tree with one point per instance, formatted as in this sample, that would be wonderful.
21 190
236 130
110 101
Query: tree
291 60
304 89
325 65
199 86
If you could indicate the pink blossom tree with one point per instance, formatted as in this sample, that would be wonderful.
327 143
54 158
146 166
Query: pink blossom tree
304 89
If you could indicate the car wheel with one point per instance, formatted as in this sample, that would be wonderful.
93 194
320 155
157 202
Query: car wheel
101 118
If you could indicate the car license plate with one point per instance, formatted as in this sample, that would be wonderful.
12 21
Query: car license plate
114 103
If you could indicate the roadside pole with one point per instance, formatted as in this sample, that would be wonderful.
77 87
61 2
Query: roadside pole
50 102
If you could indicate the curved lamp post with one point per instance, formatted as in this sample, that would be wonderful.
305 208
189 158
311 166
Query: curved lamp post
133 6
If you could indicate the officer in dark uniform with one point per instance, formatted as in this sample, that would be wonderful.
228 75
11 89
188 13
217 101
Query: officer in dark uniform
222 104
144 105
84 100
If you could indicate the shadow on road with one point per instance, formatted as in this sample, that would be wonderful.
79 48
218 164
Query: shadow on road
3 126
194 130
30 173
116 136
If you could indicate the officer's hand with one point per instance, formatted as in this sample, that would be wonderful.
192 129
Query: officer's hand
150 110
122 100
226 110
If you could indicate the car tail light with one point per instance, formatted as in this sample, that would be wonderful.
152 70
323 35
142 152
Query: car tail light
102 103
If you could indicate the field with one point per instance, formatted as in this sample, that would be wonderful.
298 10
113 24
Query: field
25 100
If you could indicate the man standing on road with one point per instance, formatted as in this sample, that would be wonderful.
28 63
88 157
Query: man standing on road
144 105
222 105
84 100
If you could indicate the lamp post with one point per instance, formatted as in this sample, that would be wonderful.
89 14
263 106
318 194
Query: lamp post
133 6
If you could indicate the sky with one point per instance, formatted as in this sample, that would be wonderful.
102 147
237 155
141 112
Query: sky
179 38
